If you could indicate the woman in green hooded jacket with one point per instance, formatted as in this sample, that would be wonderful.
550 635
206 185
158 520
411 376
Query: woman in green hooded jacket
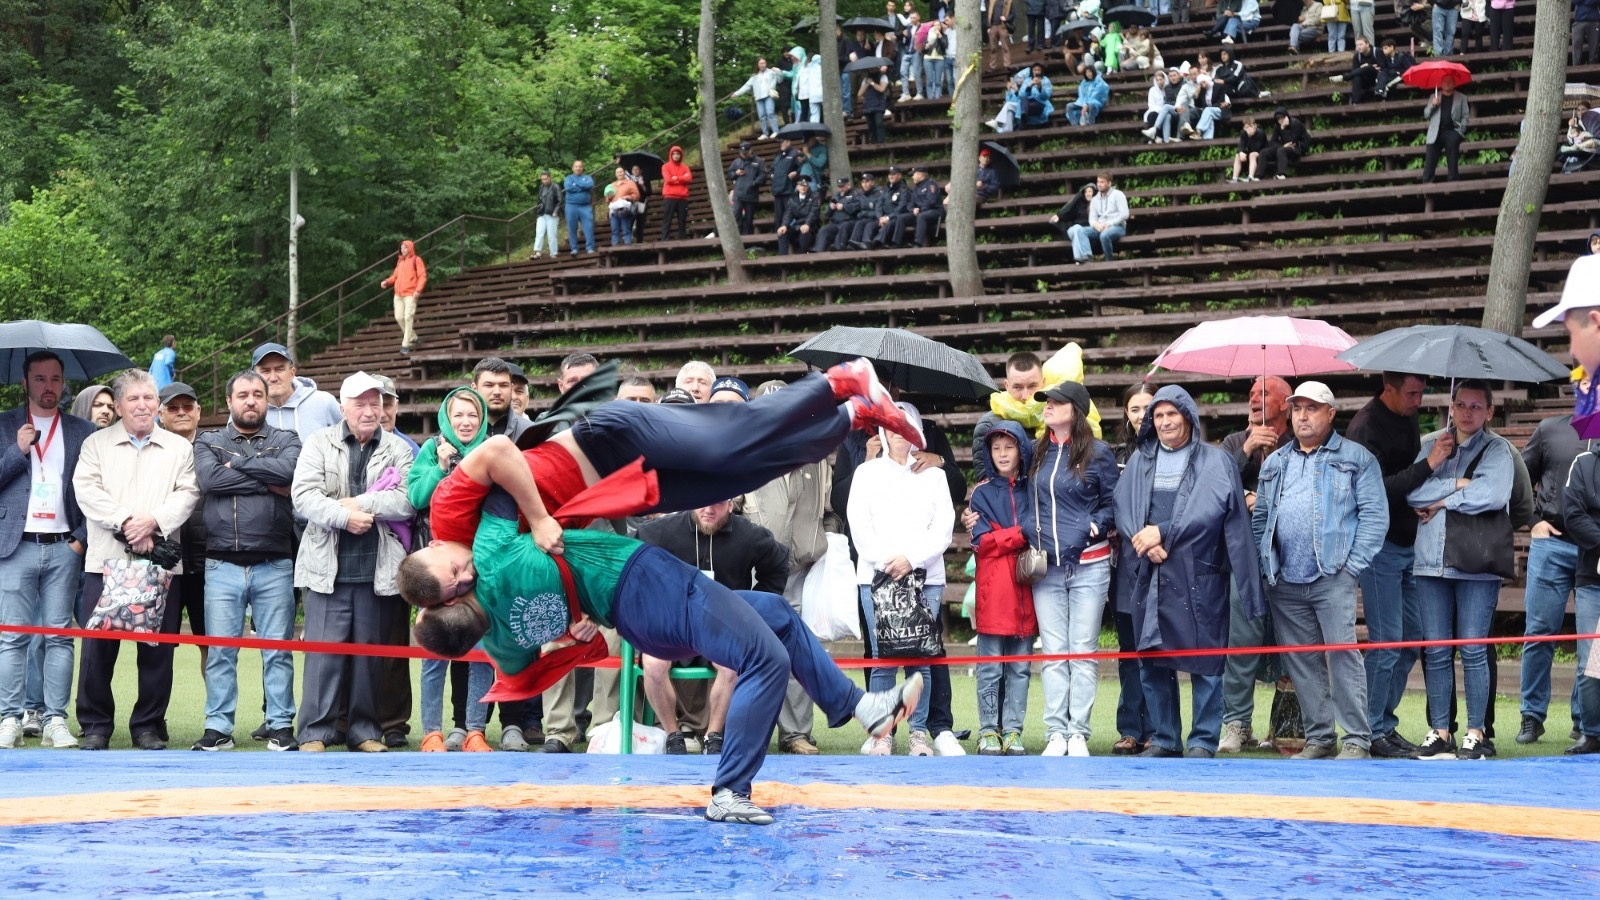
461 428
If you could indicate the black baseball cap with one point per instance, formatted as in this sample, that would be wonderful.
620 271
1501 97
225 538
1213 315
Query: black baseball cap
177 389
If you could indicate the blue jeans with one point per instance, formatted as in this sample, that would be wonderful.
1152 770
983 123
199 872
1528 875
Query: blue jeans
435 672
1085 240
1552 570
1588 689
580 217
765 111
1337 31
480 677
1209 117
545 234
1456 608
844 92
932 78
621 228
882 679
1444 30
268 590
992 715
1084 113
1069 606
1389 606
1166 718
1238 28
38 586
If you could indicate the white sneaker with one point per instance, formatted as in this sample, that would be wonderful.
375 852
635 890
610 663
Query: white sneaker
1077 745
1234 736
32 723
1056 746
56 734
1226 39
10 733
947 745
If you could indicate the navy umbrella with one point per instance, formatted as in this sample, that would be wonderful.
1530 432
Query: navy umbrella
85 353
909 361
1004 164
867 23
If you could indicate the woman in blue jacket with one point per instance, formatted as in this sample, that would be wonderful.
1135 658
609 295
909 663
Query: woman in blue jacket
1070 518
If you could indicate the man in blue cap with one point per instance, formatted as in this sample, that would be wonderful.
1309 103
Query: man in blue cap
293 402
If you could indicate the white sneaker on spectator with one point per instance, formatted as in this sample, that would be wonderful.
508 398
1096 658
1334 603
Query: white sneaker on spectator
1149 133
1226 39
1056 746
947 745
56 734
1077 745
10 733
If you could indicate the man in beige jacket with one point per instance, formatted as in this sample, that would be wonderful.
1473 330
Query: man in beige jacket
136 477
347 562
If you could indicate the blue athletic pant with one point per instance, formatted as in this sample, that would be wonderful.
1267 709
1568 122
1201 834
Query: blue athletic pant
709 452
668 609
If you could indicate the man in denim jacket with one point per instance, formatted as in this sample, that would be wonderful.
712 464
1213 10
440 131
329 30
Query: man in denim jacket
1319 519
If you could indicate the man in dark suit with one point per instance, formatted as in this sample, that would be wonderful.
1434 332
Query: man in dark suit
41 544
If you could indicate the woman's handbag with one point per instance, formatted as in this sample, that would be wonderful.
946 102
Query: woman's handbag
1479 544
1033 563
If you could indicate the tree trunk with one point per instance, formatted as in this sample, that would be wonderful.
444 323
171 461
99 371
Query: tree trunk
1518 225
711 150
832 100
967 107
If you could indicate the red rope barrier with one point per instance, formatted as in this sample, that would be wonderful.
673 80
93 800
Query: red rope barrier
301 646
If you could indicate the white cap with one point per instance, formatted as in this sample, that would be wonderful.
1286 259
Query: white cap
1315 391
1582 290
359 384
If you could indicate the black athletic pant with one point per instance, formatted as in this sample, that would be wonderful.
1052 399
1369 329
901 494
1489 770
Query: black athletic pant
680 209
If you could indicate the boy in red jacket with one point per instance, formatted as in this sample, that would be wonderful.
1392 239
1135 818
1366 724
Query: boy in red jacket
1003 612
675 180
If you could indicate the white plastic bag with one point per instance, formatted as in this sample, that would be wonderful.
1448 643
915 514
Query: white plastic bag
607 738
830 600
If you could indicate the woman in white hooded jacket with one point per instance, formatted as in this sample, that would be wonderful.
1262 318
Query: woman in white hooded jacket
811 88
1158 110
900 520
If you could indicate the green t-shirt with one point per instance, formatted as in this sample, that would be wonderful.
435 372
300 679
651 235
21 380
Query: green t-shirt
519 586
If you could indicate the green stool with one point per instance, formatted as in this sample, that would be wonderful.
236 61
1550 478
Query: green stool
629 691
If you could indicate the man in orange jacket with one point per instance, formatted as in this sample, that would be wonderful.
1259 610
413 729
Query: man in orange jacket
409 278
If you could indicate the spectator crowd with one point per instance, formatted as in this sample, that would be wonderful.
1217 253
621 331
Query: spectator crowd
304 502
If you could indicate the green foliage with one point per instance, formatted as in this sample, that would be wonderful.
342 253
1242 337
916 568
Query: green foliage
1215 398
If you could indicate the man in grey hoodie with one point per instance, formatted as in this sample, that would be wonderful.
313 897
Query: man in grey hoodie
293 402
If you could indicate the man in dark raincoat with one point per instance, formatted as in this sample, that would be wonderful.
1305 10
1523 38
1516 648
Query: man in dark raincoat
1186 532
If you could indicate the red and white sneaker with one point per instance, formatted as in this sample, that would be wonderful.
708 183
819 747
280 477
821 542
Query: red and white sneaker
871 416
857 378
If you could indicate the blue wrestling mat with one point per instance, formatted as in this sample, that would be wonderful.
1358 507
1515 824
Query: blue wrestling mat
414 825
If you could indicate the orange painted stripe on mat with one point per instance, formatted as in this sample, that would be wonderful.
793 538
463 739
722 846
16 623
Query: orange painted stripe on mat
1516 821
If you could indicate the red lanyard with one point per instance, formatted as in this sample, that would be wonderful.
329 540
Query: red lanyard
49 439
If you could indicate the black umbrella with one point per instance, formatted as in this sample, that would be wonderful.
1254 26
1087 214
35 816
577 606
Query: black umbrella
869 64
1455 351
867 23
1003 163
649 164
909 361
800 131
1080 25
1129 16
85 353
810 23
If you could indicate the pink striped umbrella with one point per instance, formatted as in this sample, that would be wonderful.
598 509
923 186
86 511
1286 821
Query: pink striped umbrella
1258 346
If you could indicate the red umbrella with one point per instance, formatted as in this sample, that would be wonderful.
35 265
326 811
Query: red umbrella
1428 75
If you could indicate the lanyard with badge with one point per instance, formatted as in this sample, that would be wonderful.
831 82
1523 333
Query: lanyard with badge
45 500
